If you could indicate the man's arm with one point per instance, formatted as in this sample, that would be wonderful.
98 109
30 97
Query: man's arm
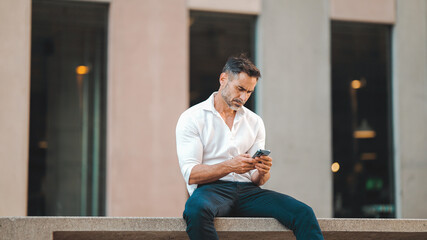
261 176
203 173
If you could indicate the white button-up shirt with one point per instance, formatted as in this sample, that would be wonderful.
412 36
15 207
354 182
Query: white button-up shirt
203 137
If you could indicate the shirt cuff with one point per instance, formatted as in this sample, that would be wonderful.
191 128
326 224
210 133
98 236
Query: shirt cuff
186 172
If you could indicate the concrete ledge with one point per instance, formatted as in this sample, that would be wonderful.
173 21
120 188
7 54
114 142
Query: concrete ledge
88 228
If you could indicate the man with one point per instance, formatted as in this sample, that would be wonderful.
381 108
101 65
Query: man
215 143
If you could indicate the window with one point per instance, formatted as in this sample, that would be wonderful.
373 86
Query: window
362 127
213 38
67 110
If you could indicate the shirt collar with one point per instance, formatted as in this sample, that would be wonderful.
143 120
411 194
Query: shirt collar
209 105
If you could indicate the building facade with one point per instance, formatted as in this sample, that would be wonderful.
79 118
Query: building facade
90 93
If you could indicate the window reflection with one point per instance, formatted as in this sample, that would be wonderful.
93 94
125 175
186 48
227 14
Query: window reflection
361 100
67 112
213 38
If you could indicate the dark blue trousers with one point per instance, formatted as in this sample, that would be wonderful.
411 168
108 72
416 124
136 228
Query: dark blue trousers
221 198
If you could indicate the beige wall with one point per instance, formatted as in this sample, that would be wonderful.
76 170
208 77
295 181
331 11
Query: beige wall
235 6
148 89
15 23
410 105
378 11
294 41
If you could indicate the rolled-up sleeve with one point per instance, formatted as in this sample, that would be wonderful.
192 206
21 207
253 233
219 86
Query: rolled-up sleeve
189 146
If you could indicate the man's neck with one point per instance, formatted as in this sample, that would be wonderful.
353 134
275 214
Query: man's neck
221 106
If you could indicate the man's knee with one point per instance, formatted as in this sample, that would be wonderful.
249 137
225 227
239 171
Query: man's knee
305 211
198 210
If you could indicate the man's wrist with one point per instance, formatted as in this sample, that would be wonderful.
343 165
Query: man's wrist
227 168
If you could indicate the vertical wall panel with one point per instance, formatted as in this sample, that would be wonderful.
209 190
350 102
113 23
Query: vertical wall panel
148 90
410 90
15 37
295 99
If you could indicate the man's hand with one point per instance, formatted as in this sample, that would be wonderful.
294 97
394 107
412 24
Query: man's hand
263 164
209 173
241 164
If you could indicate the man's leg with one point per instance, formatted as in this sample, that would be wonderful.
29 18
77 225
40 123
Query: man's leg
295 215
207 202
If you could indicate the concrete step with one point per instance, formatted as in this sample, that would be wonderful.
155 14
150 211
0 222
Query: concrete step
133 228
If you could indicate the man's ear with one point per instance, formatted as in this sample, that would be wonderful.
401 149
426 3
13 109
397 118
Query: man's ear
223 78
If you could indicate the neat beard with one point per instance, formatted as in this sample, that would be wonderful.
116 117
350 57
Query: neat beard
235 104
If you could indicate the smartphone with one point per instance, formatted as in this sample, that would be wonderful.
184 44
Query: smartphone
261 152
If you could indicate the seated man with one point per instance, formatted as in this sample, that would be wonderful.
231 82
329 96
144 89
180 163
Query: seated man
215 143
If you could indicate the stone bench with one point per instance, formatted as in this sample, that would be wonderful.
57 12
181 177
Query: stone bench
117 228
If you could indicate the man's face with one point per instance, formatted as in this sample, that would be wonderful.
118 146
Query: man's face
236 89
